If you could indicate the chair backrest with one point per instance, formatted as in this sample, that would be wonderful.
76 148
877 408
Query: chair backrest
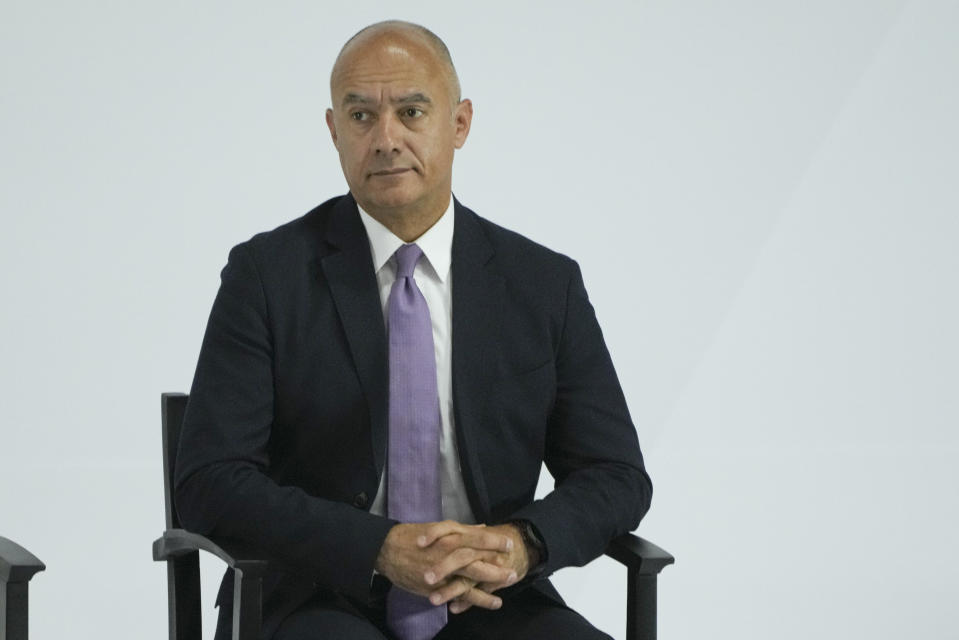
17 567
172 410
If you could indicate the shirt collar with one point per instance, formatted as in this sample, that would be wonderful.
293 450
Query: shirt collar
436 243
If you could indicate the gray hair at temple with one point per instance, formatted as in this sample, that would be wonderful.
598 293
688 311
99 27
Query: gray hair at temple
439 47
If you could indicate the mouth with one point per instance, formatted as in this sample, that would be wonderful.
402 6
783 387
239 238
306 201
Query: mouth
390 172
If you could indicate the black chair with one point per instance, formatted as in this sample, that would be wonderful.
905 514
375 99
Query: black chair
180 549
17 567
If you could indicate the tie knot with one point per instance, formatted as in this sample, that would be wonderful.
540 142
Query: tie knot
406 258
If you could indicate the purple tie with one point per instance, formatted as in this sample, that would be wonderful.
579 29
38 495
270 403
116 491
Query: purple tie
413 480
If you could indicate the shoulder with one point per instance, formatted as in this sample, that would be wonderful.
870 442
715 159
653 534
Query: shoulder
302 234
272 257
290 245
515 253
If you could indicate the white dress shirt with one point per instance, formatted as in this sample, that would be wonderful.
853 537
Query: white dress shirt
434 278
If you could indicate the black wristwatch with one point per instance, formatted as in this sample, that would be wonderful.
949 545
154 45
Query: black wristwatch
532 541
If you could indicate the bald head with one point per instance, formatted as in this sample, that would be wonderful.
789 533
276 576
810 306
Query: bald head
398 33
396 120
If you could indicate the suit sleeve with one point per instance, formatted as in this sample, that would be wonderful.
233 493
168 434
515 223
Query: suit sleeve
602 488
221 481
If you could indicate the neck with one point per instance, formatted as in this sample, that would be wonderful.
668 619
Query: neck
408 224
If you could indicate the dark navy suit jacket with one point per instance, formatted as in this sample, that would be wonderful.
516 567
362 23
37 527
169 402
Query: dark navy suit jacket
284 438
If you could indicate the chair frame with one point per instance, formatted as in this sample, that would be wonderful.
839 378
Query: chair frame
17 568
180 550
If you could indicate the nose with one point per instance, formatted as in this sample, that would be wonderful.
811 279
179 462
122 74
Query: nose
387 134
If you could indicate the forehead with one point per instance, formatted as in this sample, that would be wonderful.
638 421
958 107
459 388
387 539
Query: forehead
388 65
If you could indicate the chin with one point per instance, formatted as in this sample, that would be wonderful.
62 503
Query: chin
392 199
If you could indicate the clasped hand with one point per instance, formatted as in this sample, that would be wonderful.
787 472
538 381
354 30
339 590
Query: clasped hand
454 563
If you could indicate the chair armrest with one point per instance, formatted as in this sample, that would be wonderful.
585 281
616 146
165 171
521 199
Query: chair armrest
178 542
638 554
16 563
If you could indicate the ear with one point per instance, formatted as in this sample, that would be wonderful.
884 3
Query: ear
329 123
462 119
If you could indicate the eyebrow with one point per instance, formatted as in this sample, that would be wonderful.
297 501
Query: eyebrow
413 98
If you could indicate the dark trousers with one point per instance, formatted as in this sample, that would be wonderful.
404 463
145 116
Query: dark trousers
527 615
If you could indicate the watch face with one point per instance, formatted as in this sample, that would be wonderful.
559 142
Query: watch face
529 536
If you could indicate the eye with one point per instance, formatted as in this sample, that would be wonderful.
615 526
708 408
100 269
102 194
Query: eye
360 115
412 112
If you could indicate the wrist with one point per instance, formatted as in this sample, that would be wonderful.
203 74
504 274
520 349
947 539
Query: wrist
535 549
382 563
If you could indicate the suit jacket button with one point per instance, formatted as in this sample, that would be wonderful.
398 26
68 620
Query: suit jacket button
360 500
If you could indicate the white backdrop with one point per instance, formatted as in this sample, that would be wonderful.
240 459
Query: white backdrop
761 195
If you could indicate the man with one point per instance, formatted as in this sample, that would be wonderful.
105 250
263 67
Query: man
382 379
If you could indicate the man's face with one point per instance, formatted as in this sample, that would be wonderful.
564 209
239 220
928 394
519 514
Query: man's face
395 126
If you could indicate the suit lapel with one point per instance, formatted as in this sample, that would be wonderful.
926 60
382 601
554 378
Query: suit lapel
348 268
477 308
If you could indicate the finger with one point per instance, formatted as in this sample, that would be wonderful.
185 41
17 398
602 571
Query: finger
456 560
459 606
472 534
491 587
437 530
475 597
485 540
480 571
451 590
452 563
